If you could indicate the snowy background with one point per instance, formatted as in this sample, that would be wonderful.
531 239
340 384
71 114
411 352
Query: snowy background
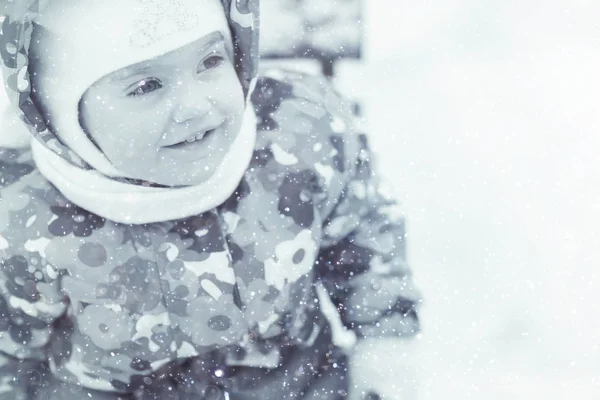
486 118
327 26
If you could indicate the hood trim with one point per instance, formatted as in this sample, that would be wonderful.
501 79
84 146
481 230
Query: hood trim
135 204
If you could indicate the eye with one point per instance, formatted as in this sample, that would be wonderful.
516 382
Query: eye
145 86
211 62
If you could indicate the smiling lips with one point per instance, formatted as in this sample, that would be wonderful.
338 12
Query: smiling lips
213 142
192 139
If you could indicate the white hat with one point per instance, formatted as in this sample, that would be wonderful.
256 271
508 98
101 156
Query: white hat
88 39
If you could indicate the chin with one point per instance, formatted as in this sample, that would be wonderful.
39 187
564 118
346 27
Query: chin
186 179
171 174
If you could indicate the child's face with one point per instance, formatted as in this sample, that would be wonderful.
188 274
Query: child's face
171 119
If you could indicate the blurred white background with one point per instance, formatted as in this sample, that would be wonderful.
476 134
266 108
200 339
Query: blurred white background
486 118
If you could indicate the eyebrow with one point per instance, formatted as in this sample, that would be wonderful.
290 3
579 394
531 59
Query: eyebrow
205 43
213 39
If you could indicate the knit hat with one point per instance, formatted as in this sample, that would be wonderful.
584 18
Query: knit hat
91 35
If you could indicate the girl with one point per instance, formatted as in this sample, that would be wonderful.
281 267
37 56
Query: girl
177 225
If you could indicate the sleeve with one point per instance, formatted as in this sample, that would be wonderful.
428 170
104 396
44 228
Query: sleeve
362 259
30 301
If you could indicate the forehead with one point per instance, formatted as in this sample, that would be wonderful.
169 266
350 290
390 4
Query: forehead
205 44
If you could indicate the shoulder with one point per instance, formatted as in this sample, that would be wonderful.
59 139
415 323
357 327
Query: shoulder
20 185
33 213
25 273
314 95
306 126
24 203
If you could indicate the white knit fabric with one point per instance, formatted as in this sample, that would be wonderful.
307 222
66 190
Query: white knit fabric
135 204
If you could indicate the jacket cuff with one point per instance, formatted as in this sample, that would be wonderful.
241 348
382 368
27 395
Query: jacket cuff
395 325
381 306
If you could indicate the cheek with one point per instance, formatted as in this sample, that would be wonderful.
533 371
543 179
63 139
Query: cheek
230 93
126 130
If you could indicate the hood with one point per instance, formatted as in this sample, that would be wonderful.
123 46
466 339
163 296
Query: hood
17 28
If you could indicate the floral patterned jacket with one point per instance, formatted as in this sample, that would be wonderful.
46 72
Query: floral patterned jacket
107 303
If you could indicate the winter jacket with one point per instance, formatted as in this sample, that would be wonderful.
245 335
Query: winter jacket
108 304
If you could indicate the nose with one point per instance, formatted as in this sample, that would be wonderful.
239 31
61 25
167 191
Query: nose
190 103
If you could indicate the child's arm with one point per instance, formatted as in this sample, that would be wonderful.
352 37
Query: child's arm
30 300
362 262
362 256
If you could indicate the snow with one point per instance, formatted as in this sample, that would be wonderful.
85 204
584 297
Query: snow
485 116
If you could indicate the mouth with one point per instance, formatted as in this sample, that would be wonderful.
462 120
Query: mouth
197 138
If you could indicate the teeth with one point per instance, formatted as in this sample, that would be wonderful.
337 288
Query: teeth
199 136
195 138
